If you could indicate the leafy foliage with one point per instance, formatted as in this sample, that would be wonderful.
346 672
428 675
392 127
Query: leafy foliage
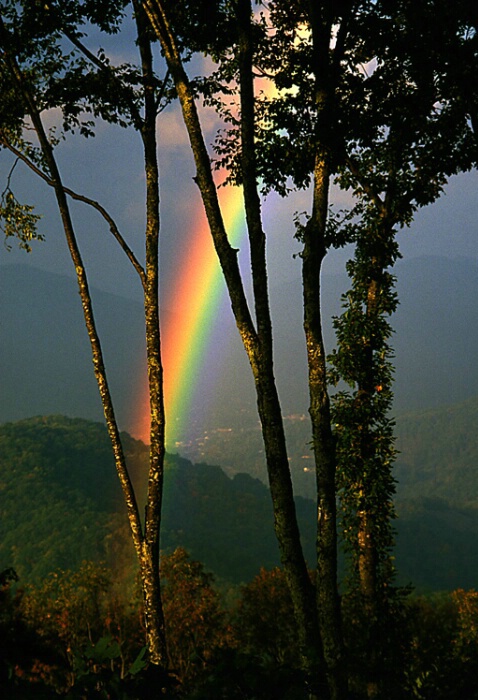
89 638
17 221
196 624
265 620
67 640
78 626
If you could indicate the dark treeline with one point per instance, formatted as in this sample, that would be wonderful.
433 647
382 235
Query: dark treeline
78 634
73 620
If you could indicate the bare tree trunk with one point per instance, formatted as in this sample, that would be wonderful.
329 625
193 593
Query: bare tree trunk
269 409
147 546
149 559
328 602
313 254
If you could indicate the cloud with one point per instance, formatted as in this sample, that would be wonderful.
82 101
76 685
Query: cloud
172 133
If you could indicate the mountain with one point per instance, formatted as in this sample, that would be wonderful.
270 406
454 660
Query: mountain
46 368
61 504
436 544
437 453
435 338
59 493
437 486
436 334
45 360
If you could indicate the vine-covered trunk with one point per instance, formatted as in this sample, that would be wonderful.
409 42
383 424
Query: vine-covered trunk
368 516
365 440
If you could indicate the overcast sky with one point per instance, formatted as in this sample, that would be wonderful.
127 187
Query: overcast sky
109 168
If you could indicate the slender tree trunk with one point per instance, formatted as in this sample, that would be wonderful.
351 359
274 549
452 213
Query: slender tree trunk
155 626
96 350
269 409
328 602
314 252
147 546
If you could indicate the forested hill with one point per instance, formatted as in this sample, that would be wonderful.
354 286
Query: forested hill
61 504
438 453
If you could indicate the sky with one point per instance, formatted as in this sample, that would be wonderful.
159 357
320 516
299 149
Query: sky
109 169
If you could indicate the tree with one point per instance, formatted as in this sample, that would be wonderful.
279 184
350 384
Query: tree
379 132
195 621
257 339
396 165
265 623
37 75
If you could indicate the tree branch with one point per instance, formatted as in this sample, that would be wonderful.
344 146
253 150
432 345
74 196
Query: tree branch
368 189
25 94
80 198
134 111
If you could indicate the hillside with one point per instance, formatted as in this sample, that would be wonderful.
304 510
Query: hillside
45 359
439 453
61 504
437 486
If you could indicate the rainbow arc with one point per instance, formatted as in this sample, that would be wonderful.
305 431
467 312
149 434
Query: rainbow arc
197 296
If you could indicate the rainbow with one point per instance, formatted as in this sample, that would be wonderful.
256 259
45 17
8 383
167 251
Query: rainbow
195 300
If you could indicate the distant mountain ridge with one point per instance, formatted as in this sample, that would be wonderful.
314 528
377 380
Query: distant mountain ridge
438 453
45 364
435 339
45 359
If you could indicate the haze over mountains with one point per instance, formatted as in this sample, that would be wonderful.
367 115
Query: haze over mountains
46 367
